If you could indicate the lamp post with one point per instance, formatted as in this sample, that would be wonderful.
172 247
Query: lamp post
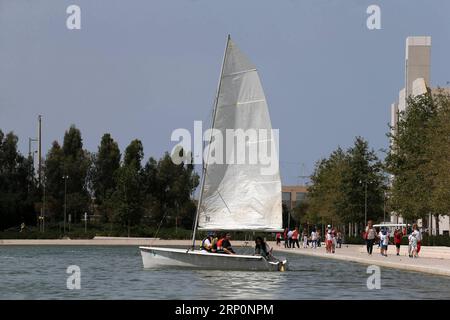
365 199
65 177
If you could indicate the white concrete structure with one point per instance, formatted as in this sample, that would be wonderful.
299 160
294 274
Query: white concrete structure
417 79
417 72
417 61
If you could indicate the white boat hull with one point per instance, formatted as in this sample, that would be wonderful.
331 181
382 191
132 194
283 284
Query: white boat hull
154 257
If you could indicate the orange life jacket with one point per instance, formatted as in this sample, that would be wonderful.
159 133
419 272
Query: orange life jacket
219 244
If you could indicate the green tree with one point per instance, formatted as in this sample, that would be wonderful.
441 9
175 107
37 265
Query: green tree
73 162
128 198
337 193
326 191
105 164
365 172
408 158
438 149
134 154
18 190
76 165
169 188
419 158
54 184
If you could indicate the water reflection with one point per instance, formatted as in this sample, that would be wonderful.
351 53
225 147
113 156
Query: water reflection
243 285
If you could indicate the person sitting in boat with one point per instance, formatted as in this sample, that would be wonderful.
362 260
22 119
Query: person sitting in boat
226 245
207 243
262 248
215 240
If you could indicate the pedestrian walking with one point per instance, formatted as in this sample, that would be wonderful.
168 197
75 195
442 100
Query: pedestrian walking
319 238
278 238
412 245
285 237
314 239
369 236
418 236
384 241
339 239
398 235
295 236
289 235
305 240
328 241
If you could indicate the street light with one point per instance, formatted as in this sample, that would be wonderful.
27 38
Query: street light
65 177
365 198
85 222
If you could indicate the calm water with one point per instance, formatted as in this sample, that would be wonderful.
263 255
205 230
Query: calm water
28 272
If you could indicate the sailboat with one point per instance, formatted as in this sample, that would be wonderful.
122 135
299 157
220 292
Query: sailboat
233 197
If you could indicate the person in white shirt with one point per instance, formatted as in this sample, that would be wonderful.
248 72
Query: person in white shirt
314 239
289 235
305 240
207 243
384 241
412 245
328 241
418 236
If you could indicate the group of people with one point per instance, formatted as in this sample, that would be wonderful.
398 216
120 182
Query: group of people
372 236
333 239
292 238
217 243
220 243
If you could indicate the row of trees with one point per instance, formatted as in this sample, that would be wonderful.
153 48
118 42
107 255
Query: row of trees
118 189
413 181
17 188
342 185
419 158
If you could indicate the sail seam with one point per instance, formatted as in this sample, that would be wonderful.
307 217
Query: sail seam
252 101
241 103
238 72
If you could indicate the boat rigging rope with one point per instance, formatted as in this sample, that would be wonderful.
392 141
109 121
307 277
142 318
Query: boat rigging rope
159 227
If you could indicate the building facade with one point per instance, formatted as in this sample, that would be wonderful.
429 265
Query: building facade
292 196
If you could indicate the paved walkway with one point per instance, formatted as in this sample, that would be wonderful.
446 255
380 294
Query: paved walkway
435 260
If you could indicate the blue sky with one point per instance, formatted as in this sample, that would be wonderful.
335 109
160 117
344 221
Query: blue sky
140 69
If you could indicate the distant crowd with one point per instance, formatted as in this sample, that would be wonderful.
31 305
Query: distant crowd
333 238
381 236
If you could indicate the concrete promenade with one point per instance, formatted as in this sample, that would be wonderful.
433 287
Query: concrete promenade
433 260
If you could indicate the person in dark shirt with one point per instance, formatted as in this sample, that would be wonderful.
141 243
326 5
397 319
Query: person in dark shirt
226 245
262 248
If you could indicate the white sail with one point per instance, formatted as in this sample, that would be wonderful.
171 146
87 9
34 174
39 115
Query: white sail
240 196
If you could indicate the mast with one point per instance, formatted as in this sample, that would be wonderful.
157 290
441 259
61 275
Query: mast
40 150
213 120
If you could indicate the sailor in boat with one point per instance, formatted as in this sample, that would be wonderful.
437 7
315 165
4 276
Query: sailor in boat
263 249
207 243
215 239
224 245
